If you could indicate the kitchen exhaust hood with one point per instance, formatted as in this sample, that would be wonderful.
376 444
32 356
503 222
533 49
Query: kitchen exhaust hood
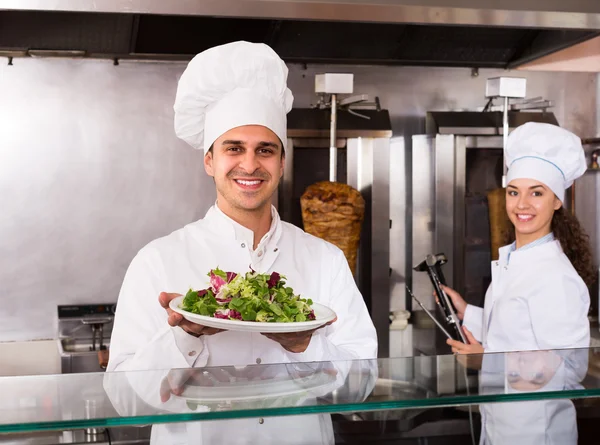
506 34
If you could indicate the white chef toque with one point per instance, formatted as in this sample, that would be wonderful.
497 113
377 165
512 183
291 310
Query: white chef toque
229 86
547 153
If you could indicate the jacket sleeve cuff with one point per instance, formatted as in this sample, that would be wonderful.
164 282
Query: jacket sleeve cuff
192 348
473 321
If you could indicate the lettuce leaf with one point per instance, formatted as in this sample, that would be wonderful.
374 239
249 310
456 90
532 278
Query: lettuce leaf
249 297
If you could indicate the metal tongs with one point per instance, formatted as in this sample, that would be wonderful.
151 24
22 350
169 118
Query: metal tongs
439 325
433 266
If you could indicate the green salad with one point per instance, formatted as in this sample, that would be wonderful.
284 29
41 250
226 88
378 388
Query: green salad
249 297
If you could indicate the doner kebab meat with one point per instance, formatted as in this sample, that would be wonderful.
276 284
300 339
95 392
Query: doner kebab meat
334 212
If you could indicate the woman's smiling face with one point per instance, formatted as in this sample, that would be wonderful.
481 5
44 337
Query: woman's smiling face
530 205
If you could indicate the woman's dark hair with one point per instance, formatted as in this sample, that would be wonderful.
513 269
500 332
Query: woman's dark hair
574 242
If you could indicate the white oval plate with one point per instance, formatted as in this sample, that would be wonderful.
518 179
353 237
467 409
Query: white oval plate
322 313
278 387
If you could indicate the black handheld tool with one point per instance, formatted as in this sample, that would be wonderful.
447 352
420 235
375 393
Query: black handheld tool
433 266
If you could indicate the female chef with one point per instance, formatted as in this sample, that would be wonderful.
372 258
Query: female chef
538 298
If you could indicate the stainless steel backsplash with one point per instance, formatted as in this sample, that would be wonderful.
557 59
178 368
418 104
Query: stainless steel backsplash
90 168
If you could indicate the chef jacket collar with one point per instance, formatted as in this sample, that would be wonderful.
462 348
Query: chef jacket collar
241 233
525 256
538 242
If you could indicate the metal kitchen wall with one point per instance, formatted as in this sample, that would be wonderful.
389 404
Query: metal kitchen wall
90 169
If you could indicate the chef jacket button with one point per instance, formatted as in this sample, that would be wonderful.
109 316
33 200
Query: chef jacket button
497 263
261 420
192 353
260 253
258 361
276 249
243 245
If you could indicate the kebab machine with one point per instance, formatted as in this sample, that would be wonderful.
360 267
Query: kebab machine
336 185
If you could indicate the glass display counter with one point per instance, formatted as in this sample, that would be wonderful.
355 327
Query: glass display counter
525 395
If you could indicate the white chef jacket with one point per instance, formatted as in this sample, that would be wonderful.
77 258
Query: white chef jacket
142 338
537 301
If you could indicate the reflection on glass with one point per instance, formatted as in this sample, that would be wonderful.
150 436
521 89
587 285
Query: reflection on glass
534 422
252 391
304 395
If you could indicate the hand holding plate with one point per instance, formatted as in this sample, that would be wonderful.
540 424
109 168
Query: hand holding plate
296 342
176 319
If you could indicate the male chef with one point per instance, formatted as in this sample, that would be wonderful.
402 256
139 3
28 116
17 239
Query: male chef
232 102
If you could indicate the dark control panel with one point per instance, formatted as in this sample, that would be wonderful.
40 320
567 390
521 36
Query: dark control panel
86 310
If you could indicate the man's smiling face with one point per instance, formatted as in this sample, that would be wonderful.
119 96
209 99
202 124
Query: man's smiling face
247 164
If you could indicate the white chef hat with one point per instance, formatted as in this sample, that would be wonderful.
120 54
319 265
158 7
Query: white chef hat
229 86
547 153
